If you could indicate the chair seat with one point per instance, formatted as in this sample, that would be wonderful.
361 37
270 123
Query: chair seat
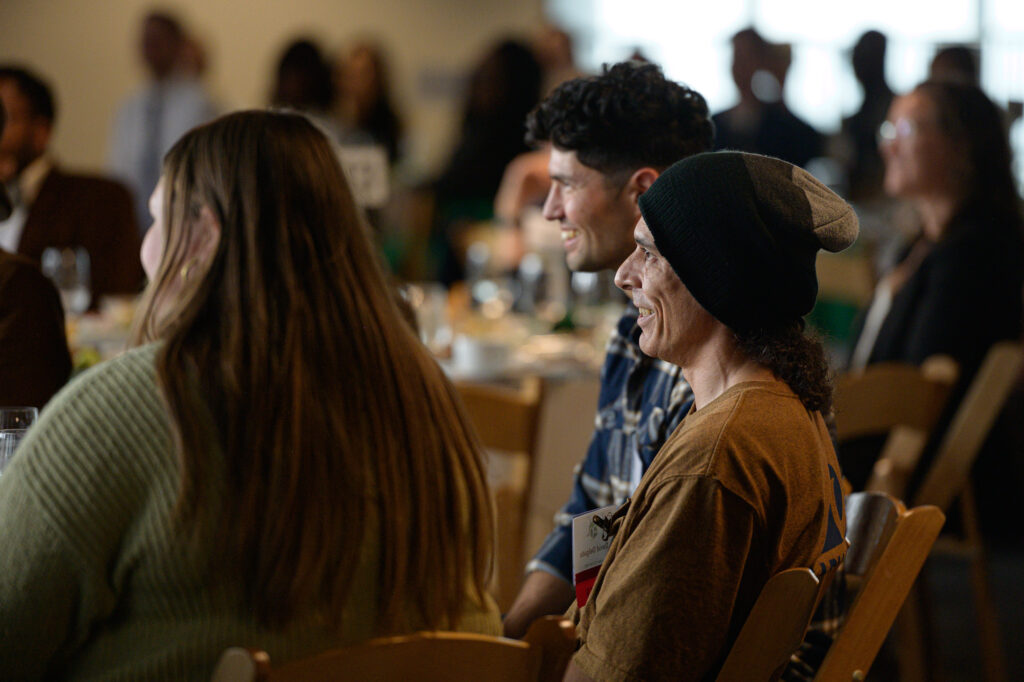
541 656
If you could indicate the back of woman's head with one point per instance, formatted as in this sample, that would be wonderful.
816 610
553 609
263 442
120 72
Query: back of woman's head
294 384
977 130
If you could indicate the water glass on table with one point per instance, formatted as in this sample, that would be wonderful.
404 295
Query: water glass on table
14 423
429 301
69 269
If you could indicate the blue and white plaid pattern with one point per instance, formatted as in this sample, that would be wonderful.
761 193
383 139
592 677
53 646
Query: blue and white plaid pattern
642 400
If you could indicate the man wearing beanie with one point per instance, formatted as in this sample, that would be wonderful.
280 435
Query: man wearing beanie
611 135
748 485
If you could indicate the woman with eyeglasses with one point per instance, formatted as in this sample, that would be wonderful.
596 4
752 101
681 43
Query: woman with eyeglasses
279 462
957 288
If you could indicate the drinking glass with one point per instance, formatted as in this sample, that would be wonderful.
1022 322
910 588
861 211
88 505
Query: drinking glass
14 423
69 270
429 300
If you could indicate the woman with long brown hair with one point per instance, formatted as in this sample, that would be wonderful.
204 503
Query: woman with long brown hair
278 463
957 287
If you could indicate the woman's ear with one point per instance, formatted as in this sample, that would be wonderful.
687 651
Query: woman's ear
207 235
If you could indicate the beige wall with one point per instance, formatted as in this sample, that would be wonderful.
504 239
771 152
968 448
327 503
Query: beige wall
87 48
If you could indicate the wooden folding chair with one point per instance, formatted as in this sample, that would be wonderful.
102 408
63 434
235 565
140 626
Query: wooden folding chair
506 419
897 400
541 656
948 481
948 477
775 627
888 547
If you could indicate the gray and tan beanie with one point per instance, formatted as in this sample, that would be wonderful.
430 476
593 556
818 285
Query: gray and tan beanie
742 231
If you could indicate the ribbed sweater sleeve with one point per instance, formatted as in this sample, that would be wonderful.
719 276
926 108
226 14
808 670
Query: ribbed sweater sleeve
70 502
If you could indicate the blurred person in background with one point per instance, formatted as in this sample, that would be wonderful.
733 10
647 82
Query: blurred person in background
553 47
151 120
957 286
192 60
962 64
54 208
525 180
34 359
859 134
611 136
956 63
761 122
502 88
303 79
365 104
239 476
303 83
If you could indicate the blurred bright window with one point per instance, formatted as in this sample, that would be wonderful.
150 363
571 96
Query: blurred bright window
691 41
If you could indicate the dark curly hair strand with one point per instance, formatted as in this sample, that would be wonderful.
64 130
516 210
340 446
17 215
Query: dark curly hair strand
795 357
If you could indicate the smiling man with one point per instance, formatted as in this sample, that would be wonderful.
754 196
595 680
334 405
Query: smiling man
57 208
723 273
611 136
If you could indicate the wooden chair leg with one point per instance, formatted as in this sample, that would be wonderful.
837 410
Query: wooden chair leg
989 635
911 639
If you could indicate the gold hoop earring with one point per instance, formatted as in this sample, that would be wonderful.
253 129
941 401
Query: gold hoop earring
186 268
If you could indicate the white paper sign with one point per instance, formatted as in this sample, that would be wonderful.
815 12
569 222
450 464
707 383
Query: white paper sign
366 168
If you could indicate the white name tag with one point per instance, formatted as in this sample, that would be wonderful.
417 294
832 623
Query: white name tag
590 545
366 167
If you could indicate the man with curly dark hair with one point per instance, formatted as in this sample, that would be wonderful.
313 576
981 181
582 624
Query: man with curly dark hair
610 138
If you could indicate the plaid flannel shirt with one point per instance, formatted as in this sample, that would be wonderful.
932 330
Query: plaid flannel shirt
641 402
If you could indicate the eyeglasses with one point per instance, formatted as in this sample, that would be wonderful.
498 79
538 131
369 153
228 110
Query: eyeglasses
901 128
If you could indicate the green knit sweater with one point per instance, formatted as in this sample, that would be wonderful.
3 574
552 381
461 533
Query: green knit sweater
93 582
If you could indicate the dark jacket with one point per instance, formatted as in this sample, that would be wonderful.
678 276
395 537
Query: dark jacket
964 297
34 359
80 210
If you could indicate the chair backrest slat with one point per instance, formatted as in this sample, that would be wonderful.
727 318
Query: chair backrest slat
890 545
505 418
428 657
423 656
891 394
948 475
774 628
